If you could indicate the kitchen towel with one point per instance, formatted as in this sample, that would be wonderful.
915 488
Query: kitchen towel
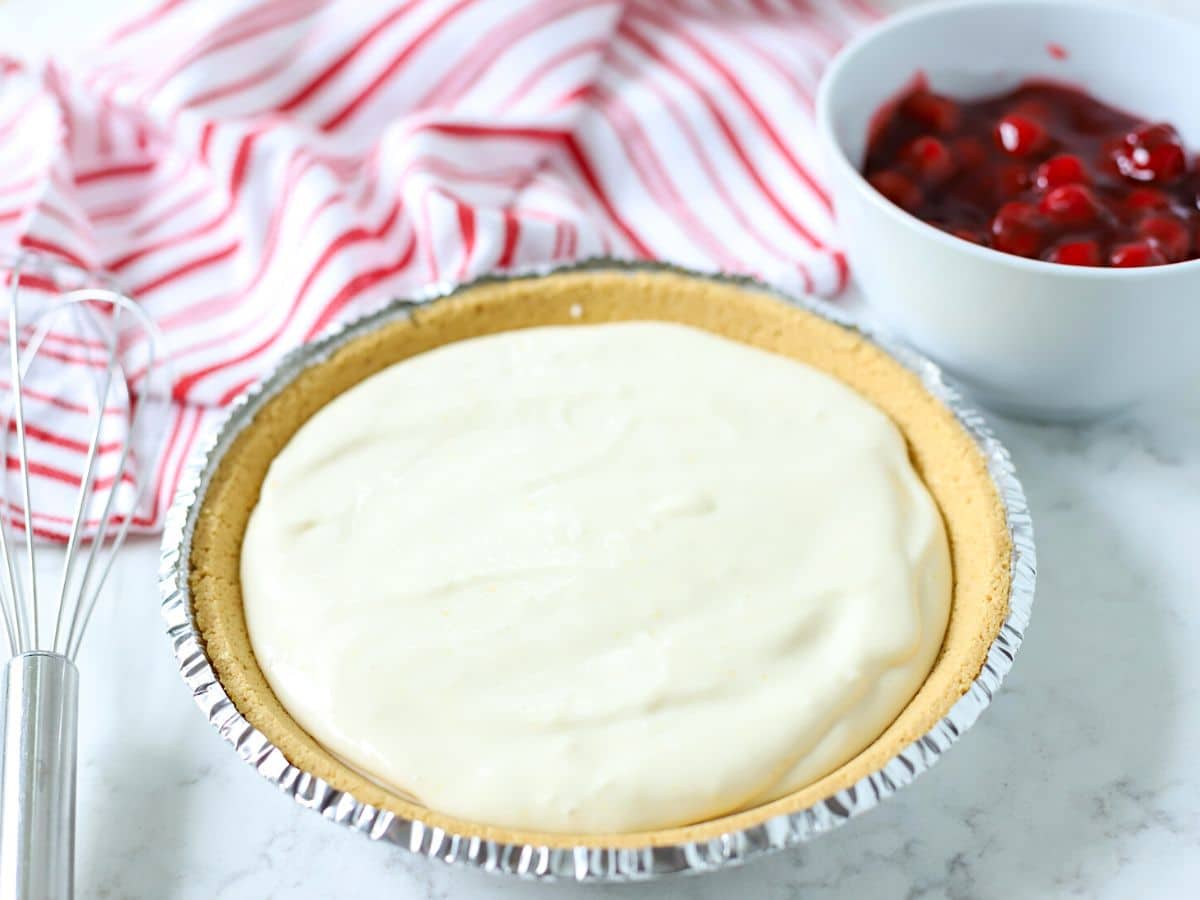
253 172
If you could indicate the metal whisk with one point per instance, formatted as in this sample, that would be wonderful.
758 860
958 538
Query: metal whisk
93 404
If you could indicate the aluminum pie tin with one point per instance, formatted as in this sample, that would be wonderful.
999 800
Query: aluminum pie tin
584 863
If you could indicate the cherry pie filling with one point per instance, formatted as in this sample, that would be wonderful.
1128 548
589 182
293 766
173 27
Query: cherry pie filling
1045 171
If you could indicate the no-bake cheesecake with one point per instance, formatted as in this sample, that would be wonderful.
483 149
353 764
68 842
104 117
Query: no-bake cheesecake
600 554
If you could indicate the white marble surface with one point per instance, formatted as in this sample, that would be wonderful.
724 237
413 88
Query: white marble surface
1081 780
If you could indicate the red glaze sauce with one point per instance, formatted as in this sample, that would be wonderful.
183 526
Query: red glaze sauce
1045 172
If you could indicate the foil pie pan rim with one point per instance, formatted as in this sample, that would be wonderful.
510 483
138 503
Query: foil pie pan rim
583 863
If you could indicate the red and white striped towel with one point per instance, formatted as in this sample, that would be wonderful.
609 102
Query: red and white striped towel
253 171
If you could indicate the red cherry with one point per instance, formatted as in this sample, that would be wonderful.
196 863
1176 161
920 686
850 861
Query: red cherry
1011 180
1019 135
1075 253
1066 168
898 189
1168 234
1143 199
1025 214
1136 255
1069 204
930 159
930 110
1151 153
1017 229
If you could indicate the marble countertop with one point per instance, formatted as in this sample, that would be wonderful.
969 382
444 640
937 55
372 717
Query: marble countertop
1081 780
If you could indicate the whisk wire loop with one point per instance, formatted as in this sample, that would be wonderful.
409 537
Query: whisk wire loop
97 540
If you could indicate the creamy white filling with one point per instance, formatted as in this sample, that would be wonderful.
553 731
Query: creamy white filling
596 578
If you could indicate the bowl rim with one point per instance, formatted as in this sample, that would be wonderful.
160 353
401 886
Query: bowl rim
590 863
858 50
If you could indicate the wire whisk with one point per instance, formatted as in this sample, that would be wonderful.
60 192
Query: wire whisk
84 390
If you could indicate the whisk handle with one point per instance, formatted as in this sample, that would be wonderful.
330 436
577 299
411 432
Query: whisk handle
40 718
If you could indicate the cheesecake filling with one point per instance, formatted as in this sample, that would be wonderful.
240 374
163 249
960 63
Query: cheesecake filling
595 578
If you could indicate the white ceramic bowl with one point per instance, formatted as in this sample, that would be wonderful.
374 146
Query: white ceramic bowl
1027 337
